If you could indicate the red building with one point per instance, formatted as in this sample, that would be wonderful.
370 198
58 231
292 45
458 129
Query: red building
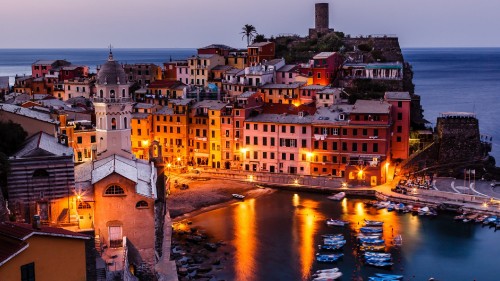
257 52
73 71
170 69
215 49
42 67
400 139
324 67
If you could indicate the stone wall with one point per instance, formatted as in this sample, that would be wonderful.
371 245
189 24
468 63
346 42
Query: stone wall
459 140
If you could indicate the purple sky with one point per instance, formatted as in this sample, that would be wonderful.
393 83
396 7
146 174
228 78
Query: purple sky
195 23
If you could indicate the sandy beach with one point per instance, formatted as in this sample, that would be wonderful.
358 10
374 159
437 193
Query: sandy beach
204 194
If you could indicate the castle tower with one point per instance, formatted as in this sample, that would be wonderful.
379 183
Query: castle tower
322 16
113 109
322 21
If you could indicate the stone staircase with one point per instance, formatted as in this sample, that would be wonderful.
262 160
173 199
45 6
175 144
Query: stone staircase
63 220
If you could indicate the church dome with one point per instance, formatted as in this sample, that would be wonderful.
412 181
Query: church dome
111 72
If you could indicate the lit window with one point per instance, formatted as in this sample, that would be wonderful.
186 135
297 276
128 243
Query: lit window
84 205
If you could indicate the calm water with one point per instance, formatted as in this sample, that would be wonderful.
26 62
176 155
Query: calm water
274 237
447 79
460 80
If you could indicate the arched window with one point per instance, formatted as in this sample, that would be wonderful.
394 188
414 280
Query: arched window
101 125
141 204
125 120
123 93
113 123
114 190
101 94
84 205
41 173
112 94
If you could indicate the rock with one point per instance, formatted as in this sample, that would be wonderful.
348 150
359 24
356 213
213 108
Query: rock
205 268
216 262
211 247
182 271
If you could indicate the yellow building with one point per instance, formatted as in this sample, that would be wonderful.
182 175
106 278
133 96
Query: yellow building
142 129
41 253
171 130
199 68
211 111
80 135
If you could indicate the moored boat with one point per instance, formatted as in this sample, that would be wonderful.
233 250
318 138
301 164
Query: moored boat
238 196
337 197
331 247
334 242
328 270
340 236
371 240
333 222
379 263
371 229
373 223
328 258
372 248
327 276
376 254
390 276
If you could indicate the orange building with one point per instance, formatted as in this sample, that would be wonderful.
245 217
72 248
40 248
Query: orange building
41 253
400 139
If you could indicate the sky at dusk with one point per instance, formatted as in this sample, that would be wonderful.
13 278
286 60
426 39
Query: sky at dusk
196 23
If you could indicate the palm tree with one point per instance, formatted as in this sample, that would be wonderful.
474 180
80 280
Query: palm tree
249 31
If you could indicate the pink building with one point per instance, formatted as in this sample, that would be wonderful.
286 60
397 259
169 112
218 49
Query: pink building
279 140
287 74
40 68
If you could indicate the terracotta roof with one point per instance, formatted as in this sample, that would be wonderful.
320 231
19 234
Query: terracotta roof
13 237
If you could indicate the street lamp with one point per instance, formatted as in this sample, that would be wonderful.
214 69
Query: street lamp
169 166
386 171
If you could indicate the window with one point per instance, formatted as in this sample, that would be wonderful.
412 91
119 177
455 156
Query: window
283 156
247 140
292 129
273 128
265 127
255 127
335 146
264 141
364 147
272 142
114 190
255 155
399 129
319 75
354 147
354 132
141 204
113 123
325 145
247 126
92 139
344 132
304 129
400 116
398 139
255 140
365 132
28 272
375 147
125 122
375 132
283 129
344 146
272 155
304 143
400 104
264 155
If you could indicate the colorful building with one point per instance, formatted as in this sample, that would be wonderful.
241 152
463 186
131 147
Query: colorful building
400 112
261 51
42 253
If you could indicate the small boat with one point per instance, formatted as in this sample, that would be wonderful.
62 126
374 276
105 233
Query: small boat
333 222
238 196
340 236
391 207
380 264
389 276
334 242
373 223
378 259
372 248
371 240
329 270
399 207
422 211
398 240
377 278
337 197
331 247
461 217
328 258
376 254
489 220
333 239
371 229
327 276
371 235
382 204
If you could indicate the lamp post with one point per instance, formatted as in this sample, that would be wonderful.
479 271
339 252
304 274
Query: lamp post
387 172
169 166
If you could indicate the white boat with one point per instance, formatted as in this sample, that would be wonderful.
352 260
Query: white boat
337 197
329 270
333 222
238 196
328 276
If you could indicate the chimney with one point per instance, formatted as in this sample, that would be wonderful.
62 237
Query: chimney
36 222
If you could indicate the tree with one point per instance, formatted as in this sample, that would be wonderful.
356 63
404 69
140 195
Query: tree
249 32
259 38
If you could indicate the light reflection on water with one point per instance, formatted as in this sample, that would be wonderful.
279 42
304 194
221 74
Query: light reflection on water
275 237
244 239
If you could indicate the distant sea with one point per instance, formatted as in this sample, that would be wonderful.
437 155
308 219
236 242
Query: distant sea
454 79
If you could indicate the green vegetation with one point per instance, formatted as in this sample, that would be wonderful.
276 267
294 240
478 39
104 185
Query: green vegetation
296 49
249 32
10 141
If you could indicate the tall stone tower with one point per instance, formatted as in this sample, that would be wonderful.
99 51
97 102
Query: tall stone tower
321 19
113 109
322 16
